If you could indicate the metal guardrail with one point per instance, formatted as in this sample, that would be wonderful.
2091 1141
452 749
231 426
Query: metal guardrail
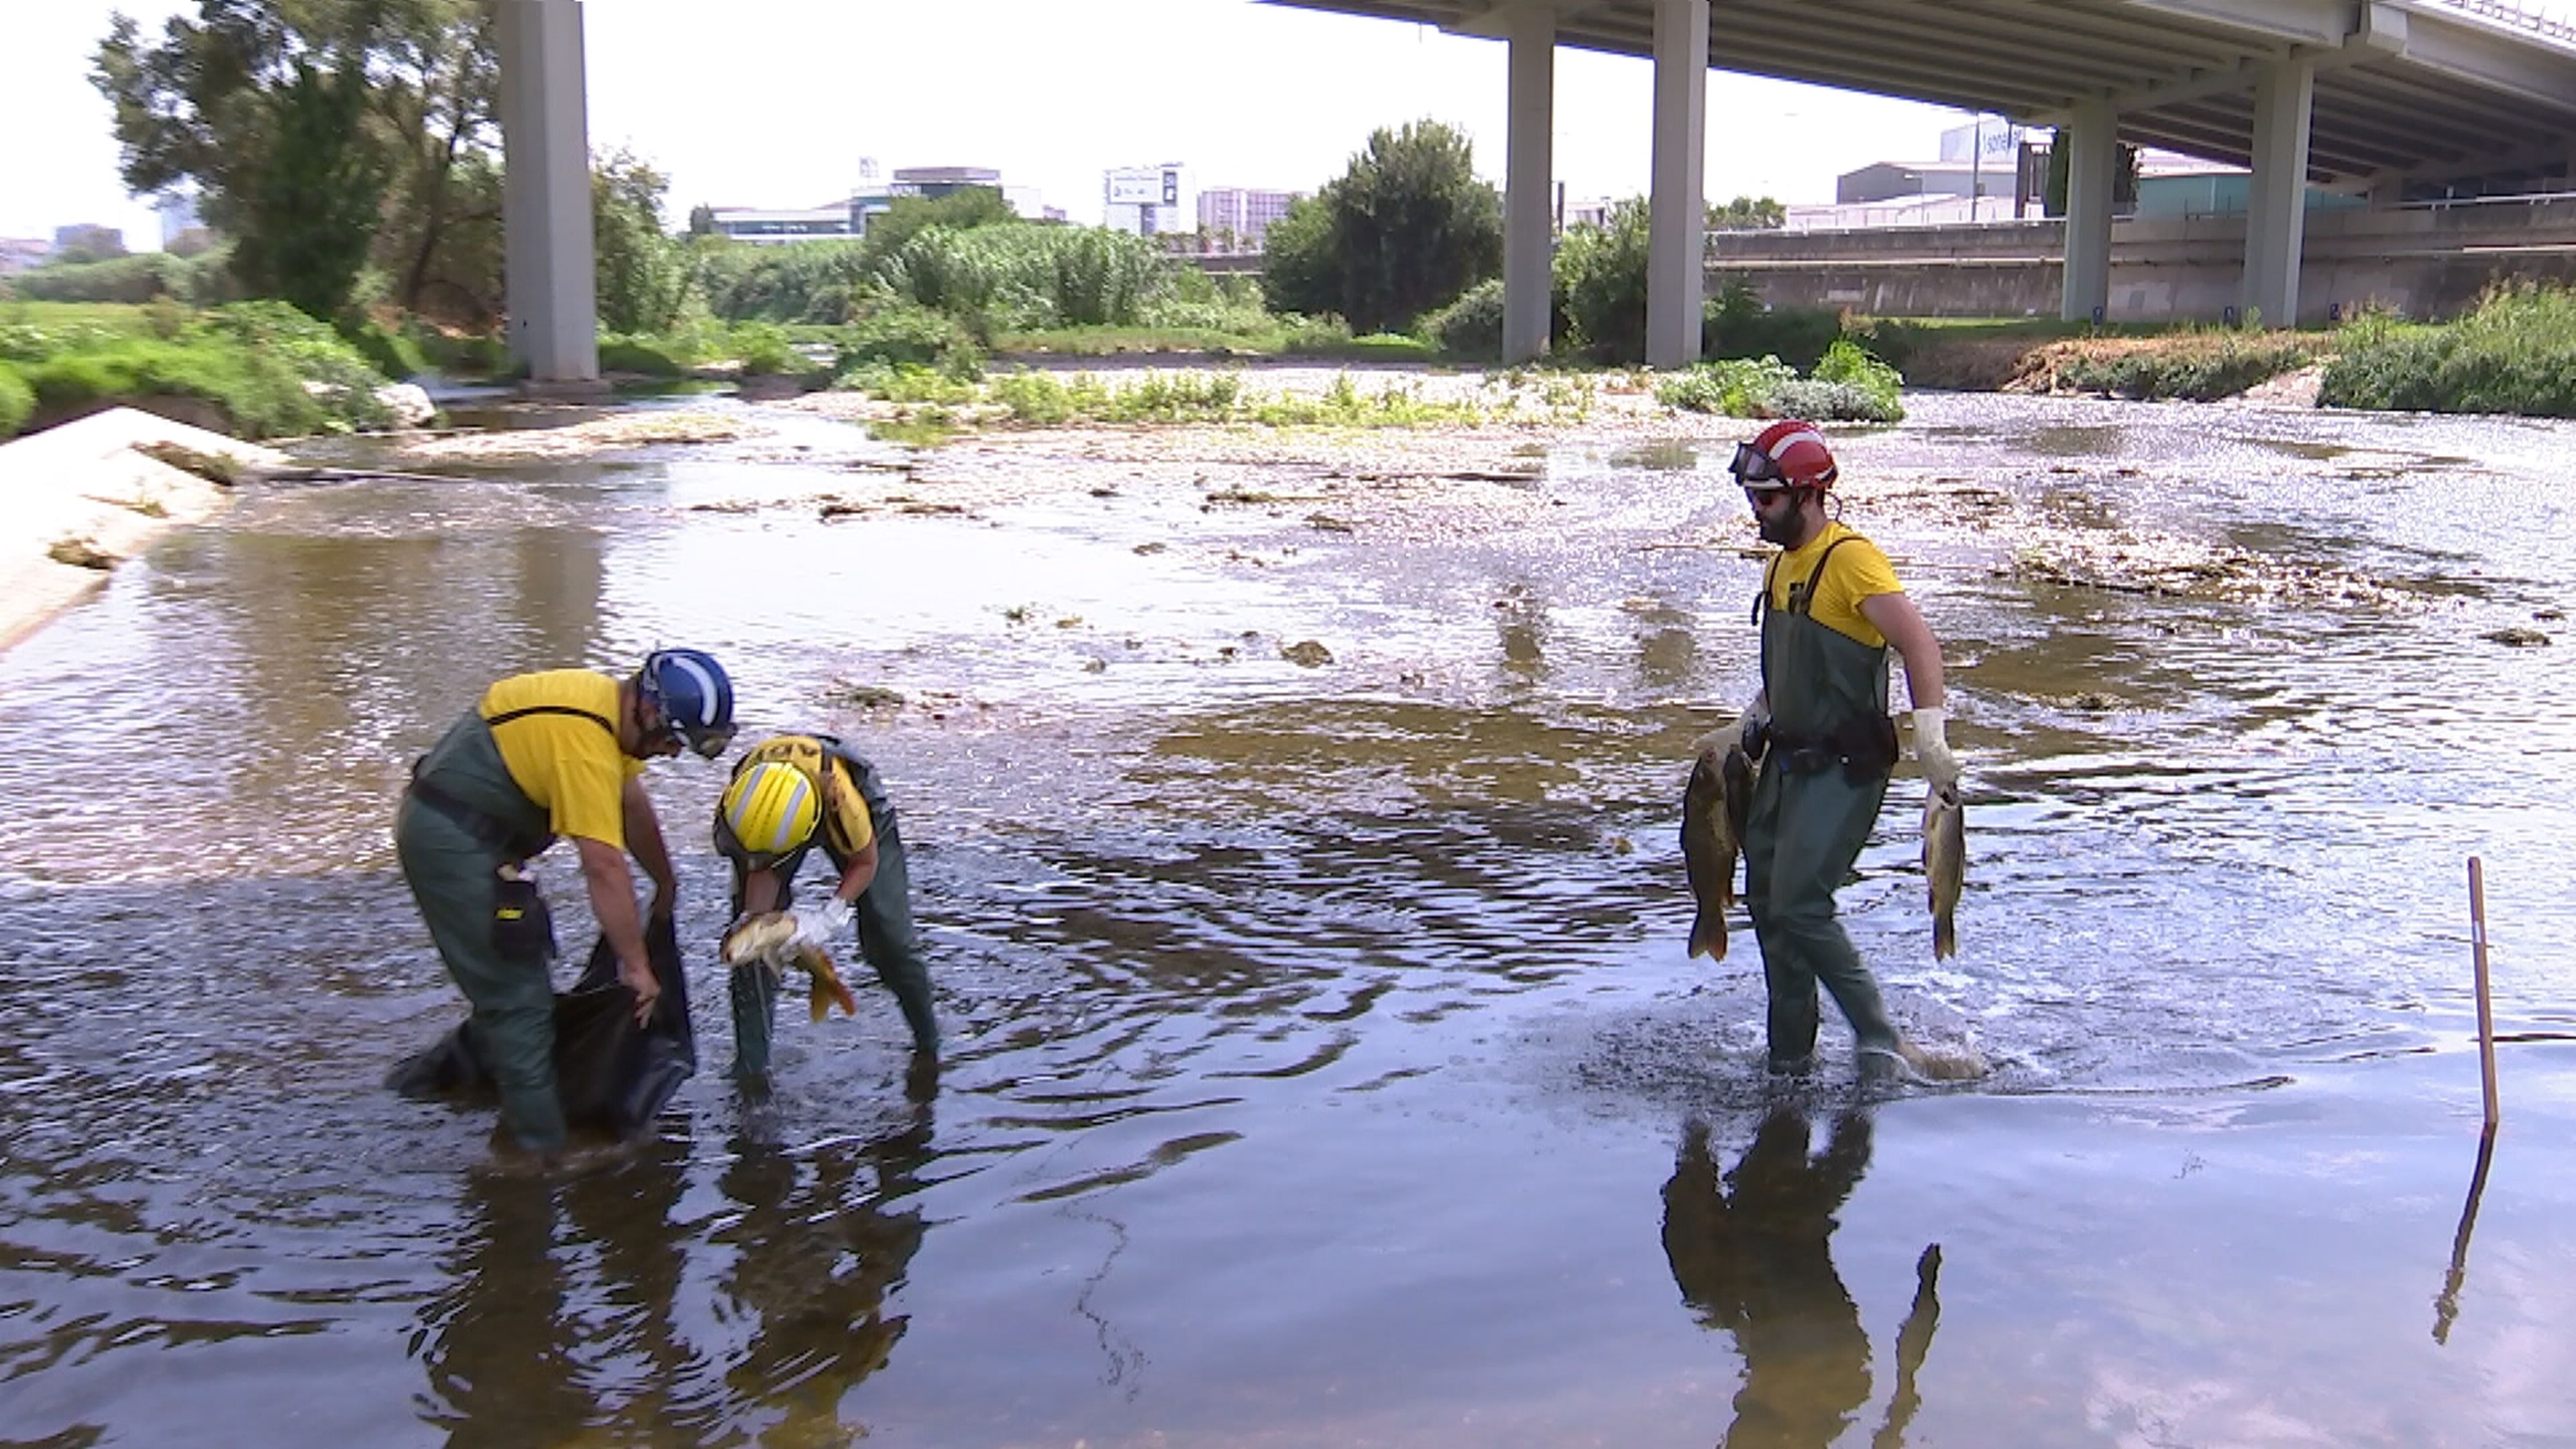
2521 16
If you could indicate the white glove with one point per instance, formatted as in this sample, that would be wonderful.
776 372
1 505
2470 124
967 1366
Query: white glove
820 924
1932 751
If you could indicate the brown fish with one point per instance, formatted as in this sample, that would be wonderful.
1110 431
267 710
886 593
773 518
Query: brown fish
1945 866
770 938
1714 806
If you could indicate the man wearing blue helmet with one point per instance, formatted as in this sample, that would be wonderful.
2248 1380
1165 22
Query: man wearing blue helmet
559 752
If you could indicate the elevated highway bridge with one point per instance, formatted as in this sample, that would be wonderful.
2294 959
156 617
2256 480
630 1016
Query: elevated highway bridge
2373 96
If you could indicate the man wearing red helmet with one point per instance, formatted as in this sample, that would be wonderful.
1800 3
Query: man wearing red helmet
1829 610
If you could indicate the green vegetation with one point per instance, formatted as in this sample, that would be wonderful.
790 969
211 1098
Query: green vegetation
326 138
17 401
2198 366
1403 231
1848 385
204 280
249 360
1045 399
2515 353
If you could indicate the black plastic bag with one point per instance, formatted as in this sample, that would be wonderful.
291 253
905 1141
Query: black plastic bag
609 1073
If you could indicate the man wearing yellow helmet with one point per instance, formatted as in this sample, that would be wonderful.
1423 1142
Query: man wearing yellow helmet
788 792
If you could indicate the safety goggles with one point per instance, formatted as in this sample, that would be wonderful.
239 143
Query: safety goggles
705 743
1754 468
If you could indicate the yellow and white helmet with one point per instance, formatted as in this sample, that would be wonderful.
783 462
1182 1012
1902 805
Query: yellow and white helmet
772 808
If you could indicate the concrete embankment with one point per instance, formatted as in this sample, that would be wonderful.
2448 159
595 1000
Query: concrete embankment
79 499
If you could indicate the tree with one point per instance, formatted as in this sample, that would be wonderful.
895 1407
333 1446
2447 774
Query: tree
643 275
1601 281
309 208
702 220
215 98
967 206
1406 229
1745 213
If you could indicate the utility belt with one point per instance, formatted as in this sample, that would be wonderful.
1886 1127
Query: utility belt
1864 747
483 825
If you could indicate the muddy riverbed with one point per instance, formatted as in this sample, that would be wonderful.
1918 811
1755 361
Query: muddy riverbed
1293 825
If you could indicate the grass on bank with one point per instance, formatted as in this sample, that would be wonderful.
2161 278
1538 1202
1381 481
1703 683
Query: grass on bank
267 369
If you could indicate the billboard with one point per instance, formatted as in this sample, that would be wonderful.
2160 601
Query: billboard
1145 186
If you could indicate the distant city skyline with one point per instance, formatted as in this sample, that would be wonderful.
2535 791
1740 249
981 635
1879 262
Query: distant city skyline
779 105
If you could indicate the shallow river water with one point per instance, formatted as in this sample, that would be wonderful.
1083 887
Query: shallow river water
1324 1065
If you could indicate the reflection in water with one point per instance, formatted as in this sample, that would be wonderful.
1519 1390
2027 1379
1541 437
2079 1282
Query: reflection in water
2446 1305
816 1254
1749 1252
568 1314
499 1355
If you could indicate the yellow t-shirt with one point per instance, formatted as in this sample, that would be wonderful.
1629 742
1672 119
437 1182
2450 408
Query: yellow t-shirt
569 765
847 828
1857 571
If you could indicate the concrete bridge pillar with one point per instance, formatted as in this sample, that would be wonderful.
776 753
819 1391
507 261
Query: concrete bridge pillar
1677 239
2094 138
1529 179
2276 212
545 192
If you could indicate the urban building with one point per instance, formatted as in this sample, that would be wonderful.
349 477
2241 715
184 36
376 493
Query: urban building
1241 214
182 229
18 253
847 219
90 239
1148 200
2171 184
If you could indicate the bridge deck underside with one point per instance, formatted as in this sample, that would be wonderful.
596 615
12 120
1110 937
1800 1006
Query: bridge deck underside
2461 96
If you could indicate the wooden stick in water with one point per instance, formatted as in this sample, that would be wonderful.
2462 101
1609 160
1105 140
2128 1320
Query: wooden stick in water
2486 1003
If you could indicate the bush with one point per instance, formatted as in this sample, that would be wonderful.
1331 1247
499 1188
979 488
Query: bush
2220 366
17 401
1874 386
640 355
465 354
763 348
395 354
134 279
1600 274
1738 388
899 334
1472 326
2514 353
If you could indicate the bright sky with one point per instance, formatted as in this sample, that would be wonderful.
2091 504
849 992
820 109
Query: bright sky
774 102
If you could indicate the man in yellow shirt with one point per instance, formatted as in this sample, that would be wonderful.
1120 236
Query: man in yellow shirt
1829 610
560 752
788 793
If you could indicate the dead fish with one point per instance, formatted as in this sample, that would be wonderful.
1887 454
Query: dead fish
1714 806
770 938
1945 866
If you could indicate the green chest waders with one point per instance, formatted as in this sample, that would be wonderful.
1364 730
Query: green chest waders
883 914
462 821
1824 775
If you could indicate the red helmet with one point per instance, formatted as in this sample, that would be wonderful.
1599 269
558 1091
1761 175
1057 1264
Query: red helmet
1788 454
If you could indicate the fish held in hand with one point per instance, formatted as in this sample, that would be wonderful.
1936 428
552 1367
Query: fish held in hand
1945 866
1714 807
773 939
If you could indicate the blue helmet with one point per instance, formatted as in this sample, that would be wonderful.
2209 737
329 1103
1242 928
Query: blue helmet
689 687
